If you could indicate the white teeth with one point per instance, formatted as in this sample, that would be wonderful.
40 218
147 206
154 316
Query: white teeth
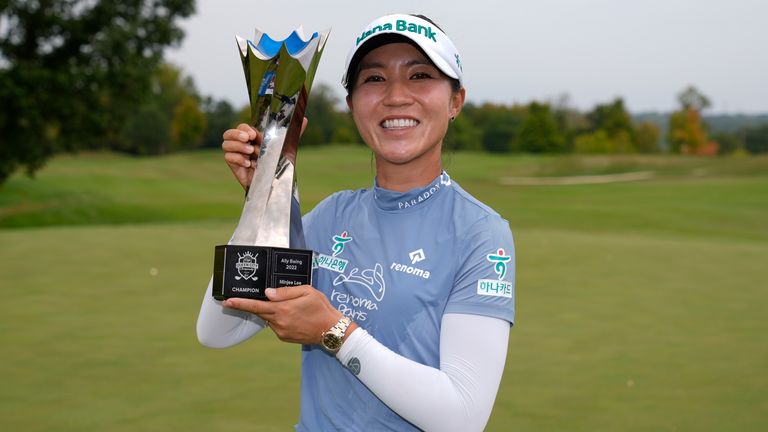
399 123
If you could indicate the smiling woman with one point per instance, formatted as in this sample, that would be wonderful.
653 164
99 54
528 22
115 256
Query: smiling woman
407 324
402 104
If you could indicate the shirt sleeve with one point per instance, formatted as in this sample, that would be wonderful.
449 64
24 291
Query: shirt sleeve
459 396
485 279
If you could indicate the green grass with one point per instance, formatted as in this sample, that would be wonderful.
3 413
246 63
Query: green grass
640 306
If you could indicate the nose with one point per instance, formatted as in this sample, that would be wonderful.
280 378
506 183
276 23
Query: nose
397 93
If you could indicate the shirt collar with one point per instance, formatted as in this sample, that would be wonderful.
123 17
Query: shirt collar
403 201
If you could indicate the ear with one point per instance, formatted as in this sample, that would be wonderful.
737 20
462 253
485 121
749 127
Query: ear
349 103
457 102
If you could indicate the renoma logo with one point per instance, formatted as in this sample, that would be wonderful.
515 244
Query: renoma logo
352 303
416 256
247 266
339 242
496 287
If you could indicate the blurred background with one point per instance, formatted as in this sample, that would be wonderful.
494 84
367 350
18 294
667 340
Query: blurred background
625 142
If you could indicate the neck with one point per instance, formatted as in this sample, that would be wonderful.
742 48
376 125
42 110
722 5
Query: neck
404 177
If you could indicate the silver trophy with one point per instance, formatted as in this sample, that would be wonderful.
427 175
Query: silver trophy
279 75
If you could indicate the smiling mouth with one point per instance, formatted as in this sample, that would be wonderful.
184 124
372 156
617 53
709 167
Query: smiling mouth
399 123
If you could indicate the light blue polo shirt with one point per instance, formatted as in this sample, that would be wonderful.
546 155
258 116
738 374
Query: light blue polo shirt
395 263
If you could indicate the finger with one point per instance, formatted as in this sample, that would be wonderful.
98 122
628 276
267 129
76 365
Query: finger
287 293
252 133
237 159
237 146
257 307
237 135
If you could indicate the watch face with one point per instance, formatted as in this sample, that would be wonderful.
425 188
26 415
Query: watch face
331 342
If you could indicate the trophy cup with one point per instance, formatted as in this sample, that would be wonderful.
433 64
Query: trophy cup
279 75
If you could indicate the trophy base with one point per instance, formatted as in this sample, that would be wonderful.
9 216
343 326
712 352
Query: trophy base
246 271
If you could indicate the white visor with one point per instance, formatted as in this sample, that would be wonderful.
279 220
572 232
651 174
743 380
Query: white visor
426 35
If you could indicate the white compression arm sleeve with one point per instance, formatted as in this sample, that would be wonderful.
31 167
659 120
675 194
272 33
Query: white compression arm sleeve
220 327
457 397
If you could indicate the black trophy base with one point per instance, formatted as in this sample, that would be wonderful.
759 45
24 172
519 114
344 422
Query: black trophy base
246 271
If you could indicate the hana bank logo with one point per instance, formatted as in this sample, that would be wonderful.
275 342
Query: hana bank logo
500 262
339 241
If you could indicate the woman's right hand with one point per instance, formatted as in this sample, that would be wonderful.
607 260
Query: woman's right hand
240 147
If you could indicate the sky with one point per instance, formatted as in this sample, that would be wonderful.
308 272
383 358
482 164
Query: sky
514 51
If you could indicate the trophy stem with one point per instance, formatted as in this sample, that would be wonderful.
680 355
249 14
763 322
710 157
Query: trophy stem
260 189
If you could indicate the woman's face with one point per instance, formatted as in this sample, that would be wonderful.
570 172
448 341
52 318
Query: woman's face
402 105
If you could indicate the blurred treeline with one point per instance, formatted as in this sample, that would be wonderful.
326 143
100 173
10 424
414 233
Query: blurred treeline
177 117
78 75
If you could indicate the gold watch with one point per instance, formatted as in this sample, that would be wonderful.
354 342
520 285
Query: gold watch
334 337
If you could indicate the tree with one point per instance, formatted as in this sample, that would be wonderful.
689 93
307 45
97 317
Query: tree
173 96
188 123
691 98
614 119
345 131
570 120
71 71
647 137
463 134
498 124
539 132
729 142
687 133
147 131
497 137
756 139
321 112
595 142
220 116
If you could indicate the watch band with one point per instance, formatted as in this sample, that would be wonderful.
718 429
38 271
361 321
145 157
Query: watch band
341 326
333 338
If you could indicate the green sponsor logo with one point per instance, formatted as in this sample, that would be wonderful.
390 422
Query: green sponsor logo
401 26
339 241
328 262
500 262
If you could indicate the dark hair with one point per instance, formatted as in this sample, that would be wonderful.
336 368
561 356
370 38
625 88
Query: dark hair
386 39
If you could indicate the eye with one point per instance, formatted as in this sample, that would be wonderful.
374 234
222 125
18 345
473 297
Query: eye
421 75
372 78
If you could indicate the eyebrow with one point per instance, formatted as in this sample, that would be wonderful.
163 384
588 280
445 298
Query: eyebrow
374 65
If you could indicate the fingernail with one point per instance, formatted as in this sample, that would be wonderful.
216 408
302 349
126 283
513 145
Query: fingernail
243 136
270 292
247 164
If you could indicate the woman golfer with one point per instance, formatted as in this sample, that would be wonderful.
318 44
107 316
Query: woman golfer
407 324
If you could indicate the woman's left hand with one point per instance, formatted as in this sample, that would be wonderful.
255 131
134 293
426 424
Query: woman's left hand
297 314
